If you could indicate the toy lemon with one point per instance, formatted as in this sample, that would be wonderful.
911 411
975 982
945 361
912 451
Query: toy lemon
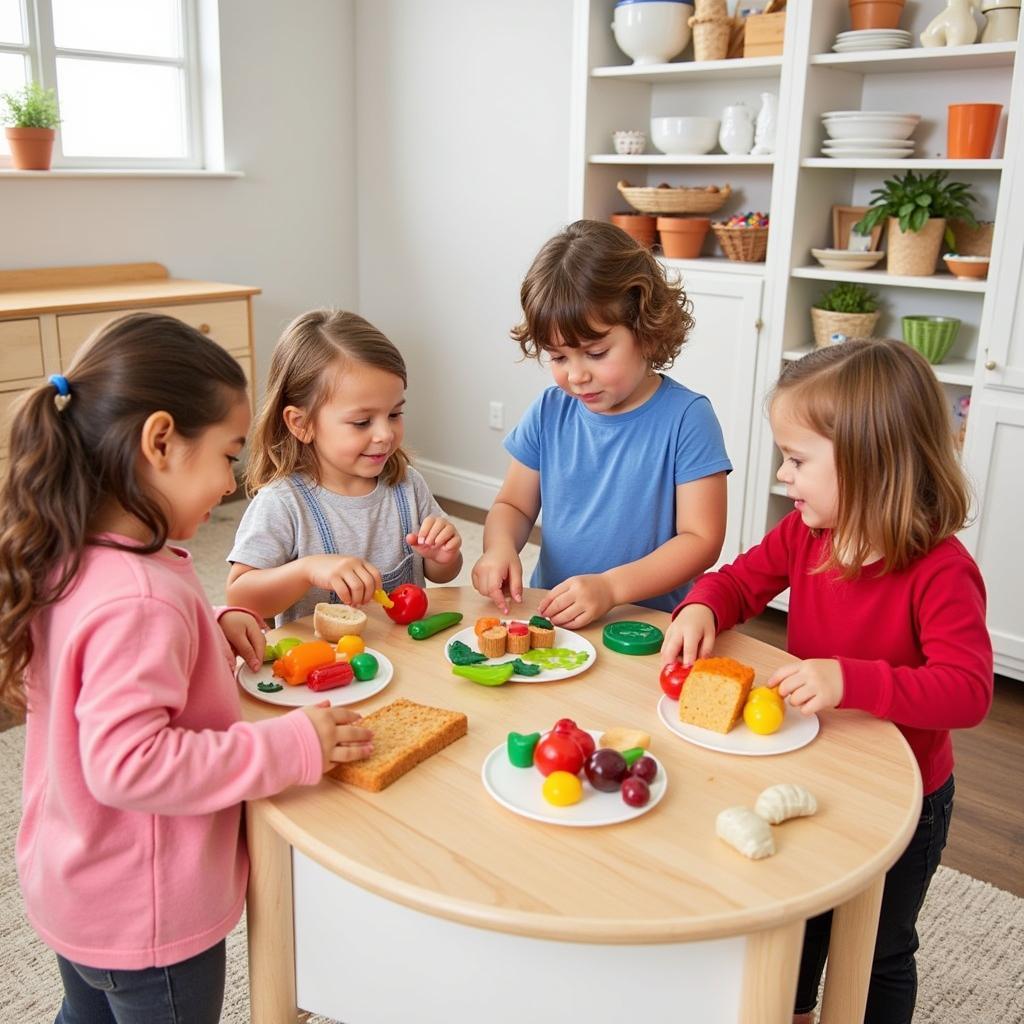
765 693
562 789
763 716
350 645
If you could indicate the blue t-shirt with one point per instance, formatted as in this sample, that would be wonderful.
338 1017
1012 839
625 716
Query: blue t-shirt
608 483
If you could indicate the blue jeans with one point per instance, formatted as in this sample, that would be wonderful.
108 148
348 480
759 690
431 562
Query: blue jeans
190 992
893 989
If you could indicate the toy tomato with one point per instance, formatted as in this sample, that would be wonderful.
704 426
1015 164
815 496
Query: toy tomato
408 603
557 753
672 678
582 738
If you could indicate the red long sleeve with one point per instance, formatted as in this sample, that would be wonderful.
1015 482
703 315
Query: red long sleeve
913 644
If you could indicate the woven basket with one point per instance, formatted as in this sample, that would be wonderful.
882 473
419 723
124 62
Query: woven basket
746 245
915 253
972 241
854 325
711 37
665 199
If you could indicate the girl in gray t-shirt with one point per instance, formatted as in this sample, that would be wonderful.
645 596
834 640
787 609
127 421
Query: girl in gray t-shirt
338 512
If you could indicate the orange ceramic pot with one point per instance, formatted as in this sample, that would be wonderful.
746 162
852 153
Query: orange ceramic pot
31 148
971 130
683 237
875 14
640 226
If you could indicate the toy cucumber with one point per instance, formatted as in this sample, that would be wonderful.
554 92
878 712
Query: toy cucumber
485 675
423 628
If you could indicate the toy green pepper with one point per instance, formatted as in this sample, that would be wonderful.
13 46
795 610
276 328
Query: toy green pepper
520 748
486 675
421 629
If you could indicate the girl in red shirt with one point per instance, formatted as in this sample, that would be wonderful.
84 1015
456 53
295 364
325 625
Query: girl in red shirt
886 607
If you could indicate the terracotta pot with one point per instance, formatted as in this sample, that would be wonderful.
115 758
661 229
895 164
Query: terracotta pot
916 252
31 148
640 226
683 237
875 14
971 130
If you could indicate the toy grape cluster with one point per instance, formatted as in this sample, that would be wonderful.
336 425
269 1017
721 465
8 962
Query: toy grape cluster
751 219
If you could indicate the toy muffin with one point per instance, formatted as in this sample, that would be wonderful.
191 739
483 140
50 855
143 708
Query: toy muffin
541 636
518 638
494 641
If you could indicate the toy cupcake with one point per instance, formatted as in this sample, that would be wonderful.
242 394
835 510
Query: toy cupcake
542 633
518 638
494 641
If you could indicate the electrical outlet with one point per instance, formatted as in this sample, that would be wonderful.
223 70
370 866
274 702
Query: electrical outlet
496 416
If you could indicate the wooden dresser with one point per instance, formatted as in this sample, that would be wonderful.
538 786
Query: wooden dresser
47 314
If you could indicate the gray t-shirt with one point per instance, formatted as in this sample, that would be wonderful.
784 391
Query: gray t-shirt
282 524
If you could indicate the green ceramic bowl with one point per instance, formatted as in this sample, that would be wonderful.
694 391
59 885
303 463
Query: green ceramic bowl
932 336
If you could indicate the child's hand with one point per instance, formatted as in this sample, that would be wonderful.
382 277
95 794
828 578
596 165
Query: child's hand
436 540
577 601
498 574
690 636
812 685
353 579
339 740
245 635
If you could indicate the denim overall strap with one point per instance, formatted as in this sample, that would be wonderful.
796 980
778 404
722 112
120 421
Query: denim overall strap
403 572
323 527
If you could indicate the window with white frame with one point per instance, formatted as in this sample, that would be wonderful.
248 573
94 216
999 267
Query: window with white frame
126 73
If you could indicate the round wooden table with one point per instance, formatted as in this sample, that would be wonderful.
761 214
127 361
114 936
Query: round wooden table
431 901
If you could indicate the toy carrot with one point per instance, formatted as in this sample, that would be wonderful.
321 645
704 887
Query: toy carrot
294 666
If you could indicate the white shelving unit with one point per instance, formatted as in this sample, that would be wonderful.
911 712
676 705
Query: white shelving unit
751 318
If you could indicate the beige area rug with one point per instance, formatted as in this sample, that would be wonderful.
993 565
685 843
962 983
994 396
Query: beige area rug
971 933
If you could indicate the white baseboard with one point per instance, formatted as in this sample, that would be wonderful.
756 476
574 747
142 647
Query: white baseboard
460 484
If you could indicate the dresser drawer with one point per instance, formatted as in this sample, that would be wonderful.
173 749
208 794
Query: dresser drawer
227 323
21 350
7 400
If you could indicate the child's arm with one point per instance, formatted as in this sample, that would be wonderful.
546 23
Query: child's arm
498 573
269 591
700 530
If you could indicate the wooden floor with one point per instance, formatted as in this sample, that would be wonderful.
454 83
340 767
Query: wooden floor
987 835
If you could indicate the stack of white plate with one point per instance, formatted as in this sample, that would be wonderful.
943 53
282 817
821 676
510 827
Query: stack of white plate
869 134
872 39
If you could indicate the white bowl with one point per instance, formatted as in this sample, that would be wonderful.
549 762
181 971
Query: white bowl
886 114
846 259
684 134
869 128
652 33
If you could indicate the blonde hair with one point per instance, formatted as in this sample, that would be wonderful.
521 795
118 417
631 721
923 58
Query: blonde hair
313 345
592 273
901 487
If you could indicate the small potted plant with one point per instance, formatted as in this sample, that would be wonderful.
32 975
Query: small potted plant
849 310
31 118
918 208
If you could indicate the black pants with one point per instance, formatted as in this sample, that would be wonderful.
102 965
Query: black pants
893 989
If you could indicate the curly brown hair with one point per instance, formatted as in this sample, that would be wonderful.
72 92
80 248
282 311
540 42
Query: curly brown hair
902 488
592 276
65 463
311 347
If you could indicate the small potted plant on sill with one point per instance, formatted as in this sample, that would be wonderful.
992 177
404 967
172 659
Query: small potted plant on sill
31 119
918 209
844 311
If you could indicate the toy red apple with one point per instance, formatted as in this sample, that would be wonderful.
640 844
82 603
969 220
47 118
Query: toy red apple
409 603
582 738
557 752
672 678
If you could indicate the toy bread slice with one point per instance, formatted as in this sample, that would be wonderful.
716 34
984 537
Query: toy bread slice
333 621
714 693
404 733
621 738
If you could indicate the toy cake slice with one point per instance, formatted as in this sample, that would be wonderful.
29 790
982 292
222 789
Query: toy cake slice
404 733
714 693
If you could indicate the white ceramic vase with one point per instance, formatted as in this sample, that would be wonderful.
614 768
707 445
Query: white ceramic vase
1002 25
767 122
736 134
954 26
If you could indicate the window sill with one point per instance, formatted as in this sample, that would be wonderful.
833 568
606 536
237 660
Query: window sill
117 172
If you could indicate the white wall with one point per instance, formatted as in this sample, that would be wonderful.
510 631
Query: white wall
287 226
463 173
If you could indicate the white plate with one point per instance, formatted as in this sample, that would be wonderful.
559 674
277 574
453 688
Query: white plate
519 789
868 154
797 731
868 47
873 33
302 696
899 115
846 259
861 142
563 638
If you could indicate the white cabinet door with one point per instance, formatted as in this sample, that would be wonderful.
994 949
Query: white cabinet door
995 461
718 361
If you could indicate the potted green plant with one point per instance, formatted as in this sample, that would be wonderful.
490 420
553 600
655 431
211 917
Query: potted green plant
31 118
918 208
845 309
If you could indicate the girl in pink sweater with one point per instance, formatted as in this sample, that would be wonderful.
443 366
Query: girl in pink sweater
131 859
886 606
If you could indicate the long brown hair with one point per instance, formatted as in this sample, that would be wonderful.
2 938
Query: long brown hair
67 462
312 346
901 486
593 273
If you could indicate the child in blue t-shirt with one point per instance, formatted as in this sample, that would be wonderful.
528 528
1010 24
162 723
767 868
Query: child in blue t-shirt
628 465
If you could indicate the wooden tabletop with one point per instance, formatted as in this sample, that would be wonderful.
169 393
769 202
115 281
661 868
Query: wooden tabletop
437 842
